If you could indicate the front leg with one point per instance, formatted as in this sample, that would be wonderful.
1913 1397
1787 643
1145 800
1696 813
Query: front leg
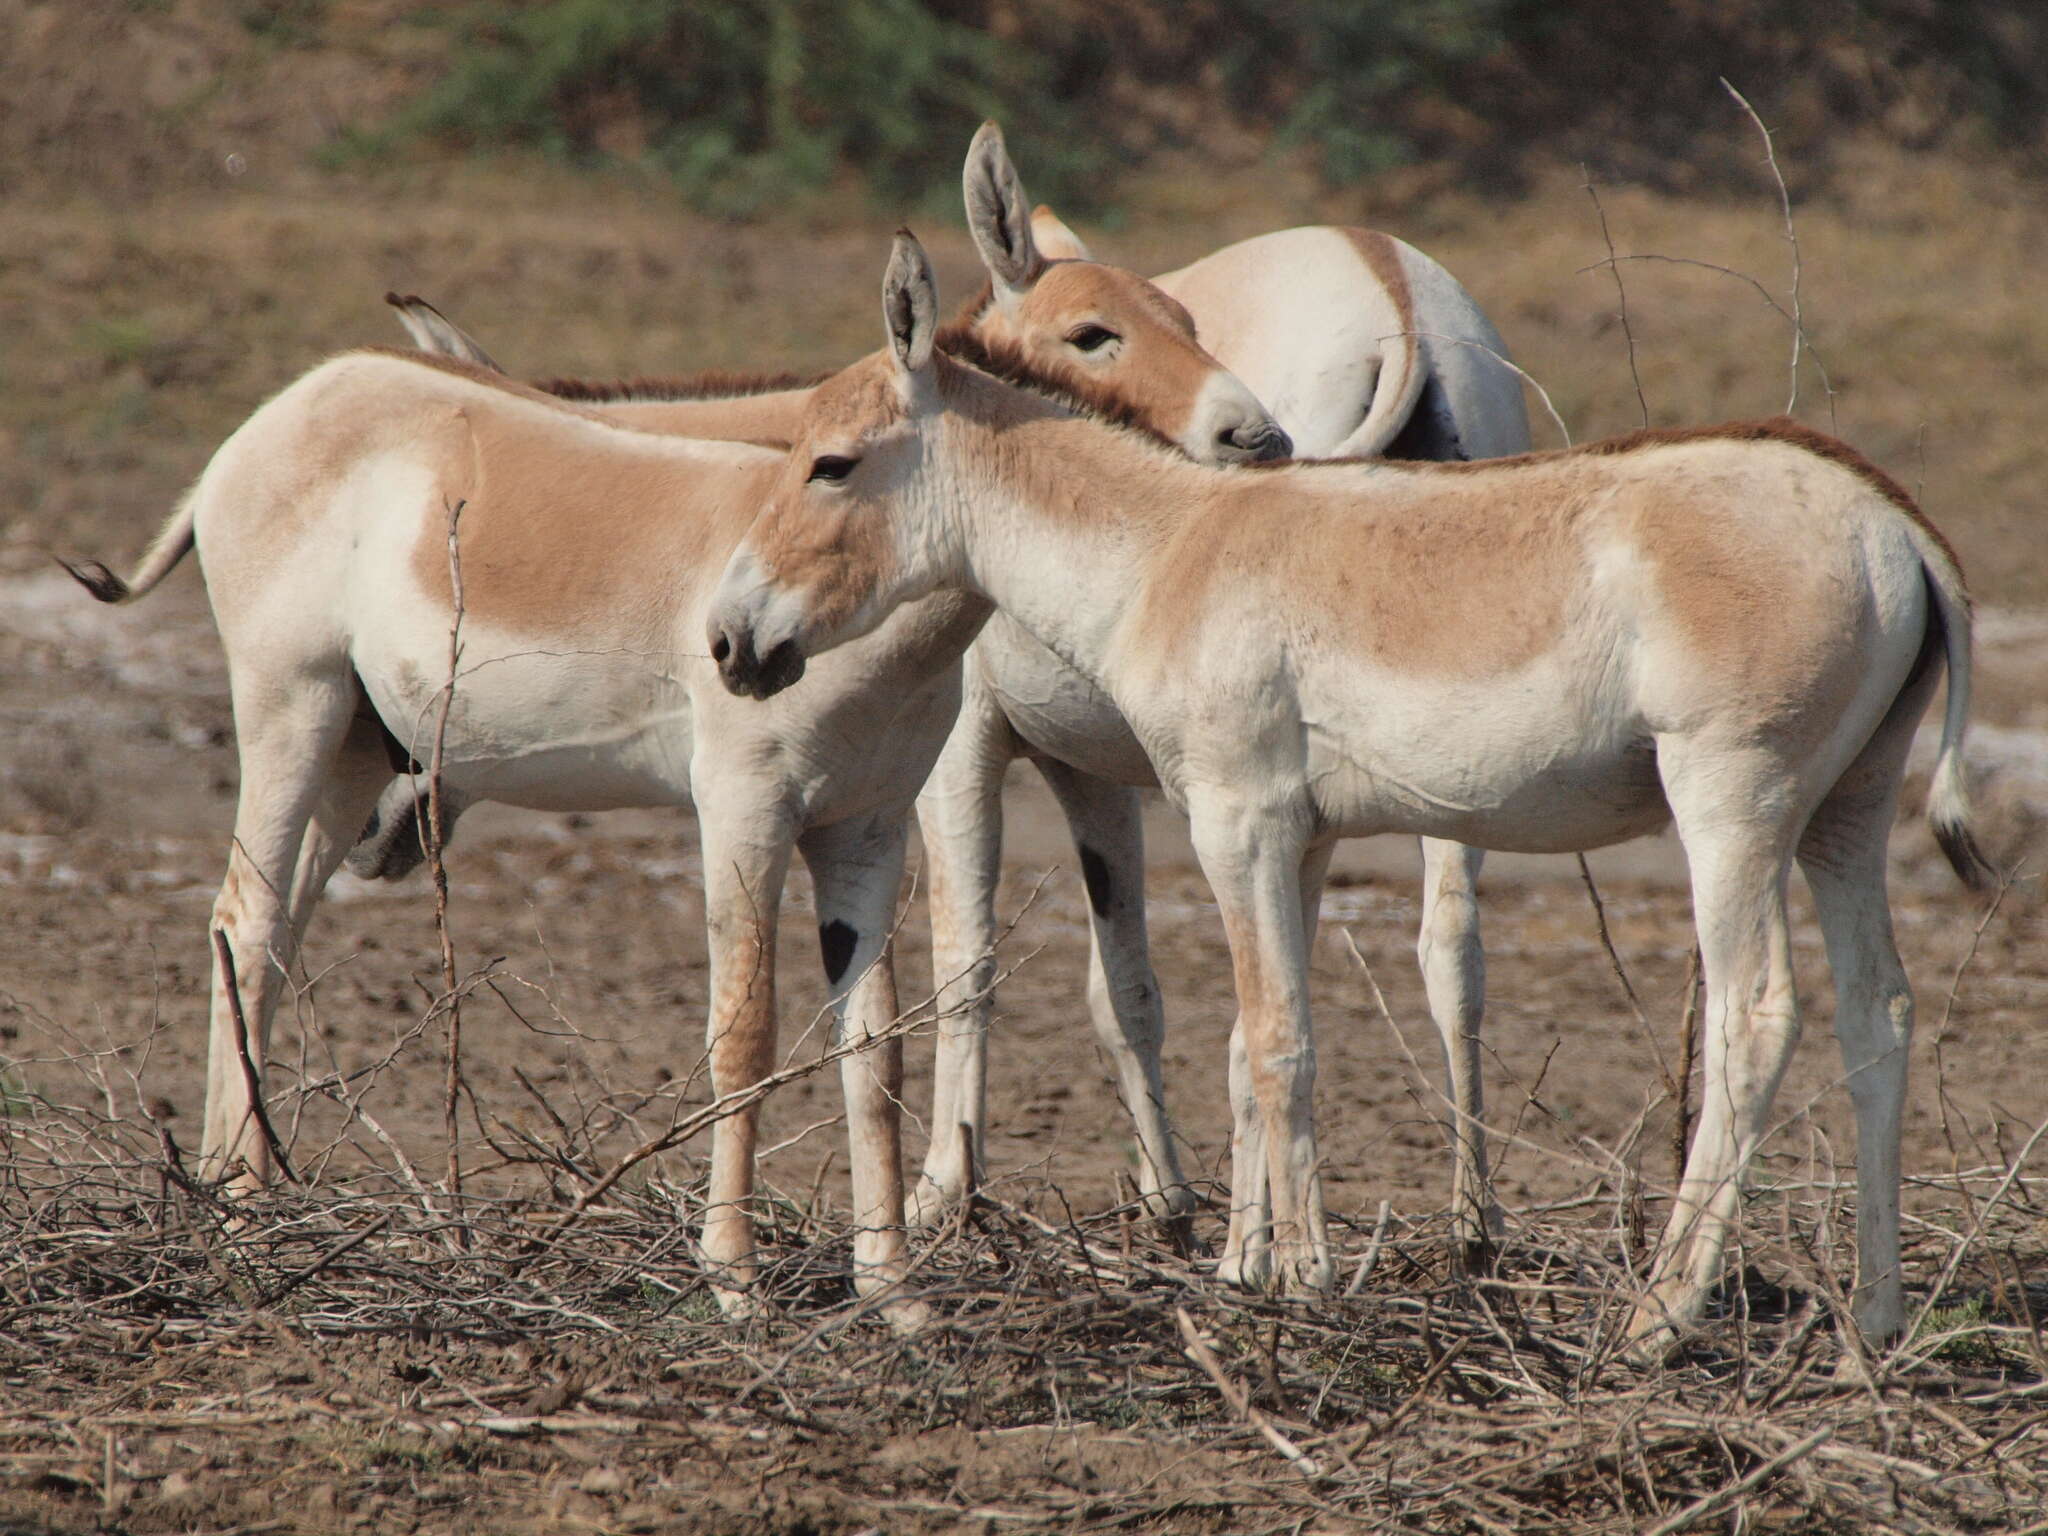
857 870
746 858
960 815
1253 857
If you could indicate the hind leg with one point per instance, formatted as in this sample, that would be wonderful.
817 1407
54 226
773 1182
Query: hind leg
1454 976
290 732
1123 992
1843 856
1737 826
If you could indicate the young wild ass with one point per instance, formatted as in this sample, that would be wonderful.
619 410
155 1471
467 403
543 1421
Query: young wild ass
587 550
1735 630
1359 344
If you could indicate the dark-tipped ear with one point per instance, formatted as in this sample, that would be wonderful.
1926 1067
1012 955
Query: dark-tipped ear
432 331
998 216
910 304
1055 241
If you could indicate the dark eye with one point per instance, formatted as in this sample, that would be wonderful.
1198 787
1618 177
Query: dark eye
1090 338
832 468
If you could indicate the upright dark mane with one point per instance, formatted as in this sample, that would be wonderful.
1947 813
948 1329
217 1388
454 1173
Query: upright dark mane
711 384
1006 361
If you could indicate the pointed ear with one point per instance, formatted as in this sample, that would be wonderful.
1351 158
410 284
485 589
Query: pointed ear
432 331
1054 240
997 214
910 305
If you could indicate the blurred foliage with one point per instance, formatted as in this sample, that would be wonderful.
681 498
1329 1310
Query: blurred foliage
746 101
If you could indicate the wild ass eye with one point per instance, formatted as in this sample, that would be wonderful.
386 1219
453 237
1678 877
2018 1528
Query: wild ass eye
832 468
1090 338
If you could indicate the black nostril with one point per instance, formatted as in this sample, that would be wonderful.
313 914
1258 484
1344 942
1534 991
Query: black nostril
720 649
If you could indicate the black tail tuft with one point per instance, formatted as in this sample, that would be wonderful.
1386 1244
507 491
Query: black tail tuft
97 579
1959 843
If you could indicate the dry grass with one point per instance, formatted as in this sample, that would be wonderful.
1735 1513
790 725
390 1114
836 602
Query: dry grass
348 1347
357 1348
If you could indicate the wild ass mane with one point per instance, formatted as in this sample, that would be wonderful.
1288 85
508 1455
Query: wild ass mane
709 384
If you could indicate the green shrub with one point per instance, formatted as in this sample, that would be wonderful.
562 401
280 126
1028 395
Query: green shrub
746 101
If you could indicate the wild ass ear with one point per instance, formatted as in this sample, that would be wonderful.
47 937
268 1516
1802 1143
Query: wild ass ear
1055 241
998 216
910 305
432 331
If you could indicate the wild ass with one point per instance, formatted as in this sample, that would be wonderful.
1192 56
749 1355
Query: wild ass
1735 630
587 549
1359 344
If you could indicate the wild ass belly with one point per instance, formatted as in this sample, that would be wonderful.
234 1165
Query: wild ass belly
1057 712
1519 767
558 724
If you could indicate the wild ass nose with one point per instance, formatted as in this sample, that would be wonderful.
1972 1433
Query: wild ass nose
1260 439
744 670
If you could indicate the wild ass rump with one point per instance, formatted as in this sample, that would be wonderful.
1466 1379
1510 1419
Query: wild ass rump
1735 630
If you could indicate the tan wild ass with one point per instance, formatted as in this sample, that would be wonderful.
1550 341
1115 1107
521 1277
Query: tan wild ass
1359 344
1735 630
585 546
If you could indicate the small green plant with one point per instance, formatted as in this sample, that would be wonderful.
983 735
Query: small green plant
1964 1332
117 339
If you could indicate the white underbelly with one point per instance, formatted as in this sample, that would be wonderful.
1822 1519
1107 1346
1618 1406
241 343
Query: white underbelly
553 727
1056 711
1518 769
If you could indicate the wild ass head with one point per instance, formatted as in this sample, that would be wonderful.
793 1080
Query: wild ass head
1099 330
856 524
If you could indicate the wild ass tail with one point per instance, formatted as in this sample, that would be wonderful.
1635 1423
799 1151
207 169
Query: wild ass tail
173 544
1948 797
1394 397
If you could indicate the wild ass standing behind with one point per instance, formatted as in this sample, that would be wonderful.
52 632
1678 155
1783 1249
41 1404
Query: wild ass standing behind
1360 344
1735 630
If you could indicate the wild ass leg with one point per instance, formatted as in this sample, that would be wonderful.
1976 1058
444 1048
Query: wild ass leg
1258 880
746 858
290 730
1843 856
1751 1021
960 816
1123 993
1454 976
1247 1256
857 870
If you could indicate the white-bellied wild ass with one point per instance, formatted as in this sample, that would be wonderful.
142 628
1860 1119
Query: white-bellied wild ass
1735 630
587 552
1358 344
